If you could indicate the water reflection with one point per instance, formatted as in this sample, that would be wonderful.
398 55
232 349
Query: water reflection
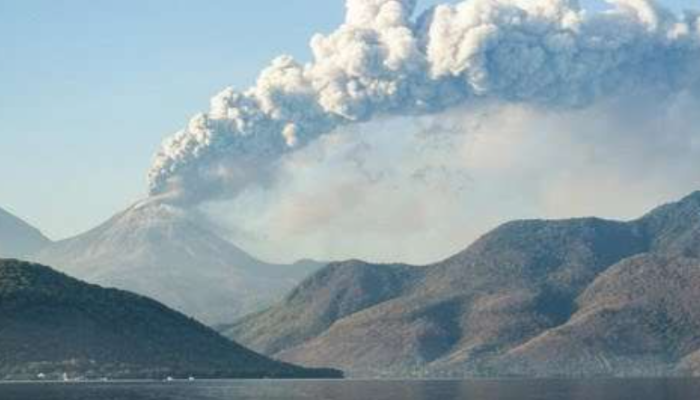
640 389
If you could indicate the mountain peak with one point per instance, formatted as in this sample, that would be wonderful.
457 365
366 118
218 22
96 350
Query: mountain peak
174 255
139 221
158 207
674 227
18 238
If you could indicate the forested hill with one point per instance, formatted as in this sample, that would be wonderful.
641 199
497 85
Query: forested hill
51 324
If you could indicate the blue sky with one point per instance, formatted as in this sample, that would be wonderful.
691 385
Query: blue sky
89 89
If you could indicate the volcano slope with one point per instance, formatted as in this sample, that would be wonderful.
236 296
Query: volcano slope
580 297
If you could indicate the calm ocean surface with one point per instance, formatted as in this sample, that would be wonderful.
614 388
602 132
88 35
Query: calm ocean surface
358 390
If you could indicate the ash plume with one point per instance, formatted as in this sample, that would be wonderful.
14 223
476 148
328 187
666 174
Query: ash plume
387 61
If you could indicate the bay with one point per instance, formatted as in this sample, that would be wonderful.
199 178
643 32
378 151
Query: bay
614 389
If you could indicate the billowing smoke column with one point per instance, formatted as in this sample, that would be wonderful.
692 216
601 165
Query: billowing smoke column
383 61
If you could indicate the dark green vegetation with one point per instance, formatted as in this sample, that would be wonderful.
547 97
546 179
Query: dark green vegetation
582 297
52 324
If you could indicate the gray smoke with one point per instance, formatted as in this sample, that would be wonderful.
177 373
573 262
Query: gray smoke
384 61
418 189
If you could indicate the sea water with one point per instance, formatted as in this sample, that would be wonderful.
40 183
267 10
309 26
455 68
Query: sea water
637 389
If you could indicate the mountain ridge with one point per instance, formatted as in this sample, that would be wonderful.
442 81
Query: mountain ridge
172 254
467 315
54 324
18 238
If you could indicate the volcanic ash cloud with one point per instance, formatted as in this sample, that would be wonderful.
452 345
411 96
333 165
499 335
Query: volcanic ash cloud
387 61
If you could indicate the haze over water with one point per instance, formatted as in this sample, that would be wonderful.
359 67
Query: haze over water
641 389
